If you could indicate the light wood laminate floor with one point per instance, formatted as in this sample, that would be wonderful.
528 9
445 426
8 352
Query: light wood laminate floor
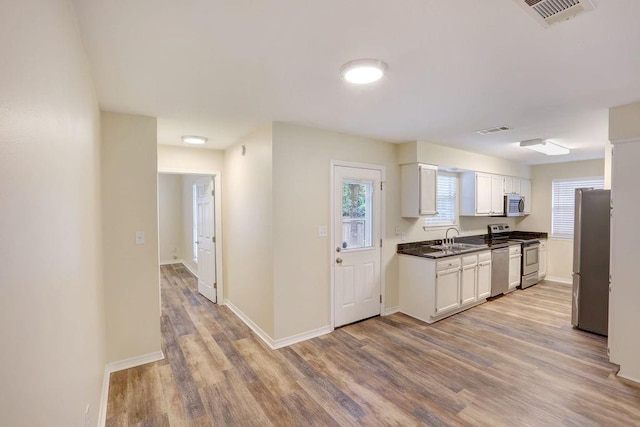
515 361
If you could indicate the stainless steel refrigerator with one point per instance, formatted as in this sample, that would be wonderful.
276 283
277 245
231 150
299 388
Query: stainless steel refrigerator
590 309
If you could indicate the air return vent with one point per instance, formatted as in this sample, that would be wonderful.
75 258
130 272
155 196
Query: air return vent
493 130
550 12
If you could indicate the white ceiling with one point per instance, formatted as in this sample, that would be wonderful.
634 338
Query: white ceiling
223 68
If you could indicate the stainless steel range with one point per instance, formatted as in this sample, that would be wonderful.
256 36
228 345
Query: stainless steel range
530 250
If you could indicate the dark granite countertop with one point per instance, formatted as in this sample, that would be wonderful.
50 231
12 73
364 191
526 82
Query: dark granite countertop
423 249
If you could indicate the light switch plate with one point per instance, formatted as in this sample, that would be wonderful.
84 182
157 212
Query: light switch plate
323 231
139 237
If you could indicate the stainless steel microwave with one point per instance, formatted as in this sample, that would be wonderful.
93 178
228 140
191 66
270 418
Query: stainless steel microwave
513 205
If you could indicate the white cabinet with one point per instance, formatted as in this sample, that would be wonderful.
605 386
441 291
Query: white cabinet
482 194
525 192
510 185
484 276
514 266
542 267
432 289
419 183
469 279
447 290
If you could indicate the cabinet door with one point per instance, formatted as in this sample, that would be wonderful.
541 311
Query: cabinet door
428 190
468 284
525 191
507 185
542 268
484 280
497 197
517 187
447 290
483 194
514 271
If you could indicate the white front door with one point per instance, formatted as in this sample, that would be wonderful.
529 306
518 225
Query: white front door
206 238
357 243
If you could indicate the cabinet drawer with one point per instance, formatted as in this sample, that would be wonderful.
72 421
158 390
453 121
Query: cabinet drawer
543 244
470 260
484 256
513 250
448 264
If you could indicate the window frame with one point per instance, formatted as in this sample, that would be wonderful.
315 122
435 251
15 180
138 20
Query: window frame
596 182
456 203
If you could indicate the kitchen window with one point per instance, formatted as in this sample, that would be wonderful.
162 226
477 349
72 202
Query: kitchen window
563 198
447 201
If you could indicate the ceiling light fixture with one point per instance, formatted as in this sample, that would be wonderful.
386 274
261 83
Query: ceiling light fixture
190 139
363 71
544 146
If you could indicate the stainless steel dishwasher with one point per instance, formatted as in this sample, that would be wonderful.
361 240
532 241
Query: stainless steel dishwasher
499 271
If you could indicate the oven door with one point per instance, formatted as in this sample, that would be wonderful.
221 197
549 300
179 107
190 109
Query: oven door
530 258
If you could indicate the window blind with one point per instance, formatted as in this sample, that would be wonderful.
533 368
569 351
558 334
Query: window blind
446 200
563 203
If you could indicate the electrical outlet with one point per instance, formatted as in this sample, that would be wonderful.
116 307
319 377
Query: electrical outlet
403 237
87 418
139 237
323 231
397 231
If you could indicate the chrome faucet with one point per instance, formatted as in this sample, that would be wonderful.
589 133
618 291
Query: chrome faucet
446 236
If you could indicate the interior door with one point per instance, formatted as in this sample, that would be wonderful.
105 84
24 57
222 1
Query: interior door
206 238
357 237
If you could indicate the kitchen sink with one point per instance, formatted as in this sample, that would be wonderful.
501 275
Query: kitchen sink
458 247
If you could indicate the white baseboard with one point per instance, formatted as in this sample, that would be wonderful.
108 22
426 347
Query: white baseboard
628 377
279 343
191 270
250 323
391 310
119 366
284 342
172 261
558 280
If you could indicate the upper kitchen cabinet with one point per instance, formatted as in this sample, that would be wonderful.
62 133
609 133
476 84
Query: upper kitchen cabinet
482 194
419 184
525 192
511 185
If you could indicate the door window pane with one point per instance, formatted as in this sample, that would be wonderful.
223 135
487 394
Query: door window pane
356 214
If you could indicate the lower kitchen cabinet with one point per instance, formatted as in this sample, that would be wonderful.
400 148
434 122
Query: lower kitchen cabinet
447 290
515 255
542 267
484 276
432 289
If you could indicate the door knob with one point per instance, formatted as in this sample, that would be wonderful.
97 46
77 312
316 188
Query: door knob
339 260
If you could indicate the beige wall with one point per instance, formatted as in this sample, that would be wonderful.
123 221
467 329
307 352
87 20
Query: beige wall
52 354
170 219
426 152
560 251
129 190
191 159
624 315
301 183
248 228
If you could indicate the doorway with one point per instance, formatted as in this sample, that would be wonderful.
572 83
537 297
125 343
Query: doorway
189 226
356 241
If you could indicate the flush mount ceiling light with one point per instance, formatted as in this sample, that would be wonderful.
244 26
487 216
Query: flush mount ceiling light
363 71
191 139
544 146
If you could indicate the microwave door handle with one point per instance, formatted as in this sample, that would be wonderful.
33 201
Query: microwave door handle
521 205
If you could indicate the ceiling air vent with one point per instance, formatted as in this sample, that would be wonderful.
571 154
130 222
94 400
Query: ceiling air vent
550 12
493 130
